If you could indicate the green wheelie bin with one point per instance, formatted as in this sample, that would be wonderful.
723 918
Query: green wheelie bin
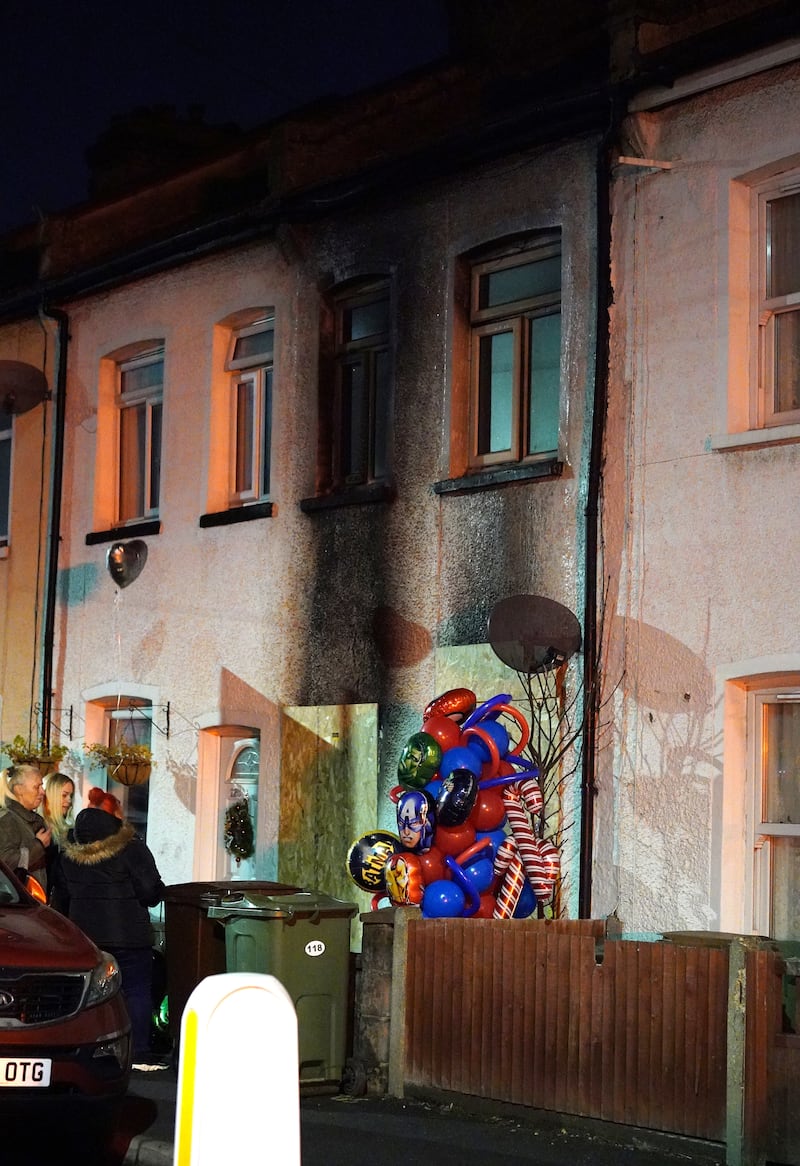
302 938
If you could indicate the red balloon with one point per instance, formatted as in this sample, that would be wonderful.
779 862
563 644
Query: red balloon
443 730
489 811
486 908
456 703
454 839
432 866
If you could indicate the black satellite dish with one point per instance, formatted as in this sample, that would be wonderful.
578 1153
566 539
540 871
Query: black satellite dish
22 386
531 633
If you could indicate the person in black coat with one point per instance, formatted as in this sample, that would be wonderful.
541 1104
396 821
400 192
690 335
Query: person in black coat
110 879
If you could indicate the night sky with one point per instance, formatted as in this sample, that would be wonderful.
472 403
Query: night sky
69 66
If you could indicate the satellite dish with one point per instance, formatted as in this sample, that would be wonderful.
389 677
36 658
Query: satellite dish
125 561
22 387
530 633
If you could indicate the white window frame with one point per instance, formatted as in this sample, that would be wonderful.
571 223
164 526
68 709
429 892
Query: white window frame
148 487
513 318
770 309
761 832
256 374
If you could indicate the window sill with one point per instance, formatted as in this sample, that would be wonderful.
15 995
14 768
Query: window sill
357 496
754 438
500 476
132 530
237 514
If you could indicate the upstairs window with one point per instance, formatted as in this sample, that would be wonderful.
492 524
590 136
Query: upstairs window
6 435
141 384
515 359
250 360
779 307
362 388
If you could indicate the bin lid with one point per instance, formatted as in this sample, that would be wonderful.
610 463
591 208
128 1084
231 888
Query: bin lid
282 903
227 890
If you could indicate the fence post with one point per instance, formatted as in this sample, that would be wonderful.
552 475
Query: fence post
397 1032
746 1090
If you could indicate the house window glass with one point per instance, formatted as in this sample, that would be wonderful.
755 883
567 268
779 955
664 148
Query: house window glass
545 383
779 308
515 314
361 413
6 433
250 359
495 393
141 384
132 727
777 814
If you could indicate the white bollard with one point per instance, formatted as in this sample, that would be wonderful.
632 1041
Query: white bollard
238 1081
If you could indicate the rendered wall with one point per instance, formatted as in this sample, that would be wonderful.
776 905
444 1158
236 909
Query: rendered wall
23 563
699 538
344 606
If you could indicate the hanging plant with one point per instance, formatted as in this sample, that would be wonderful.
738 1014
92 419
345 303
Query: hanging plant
25 752
239 841
127 764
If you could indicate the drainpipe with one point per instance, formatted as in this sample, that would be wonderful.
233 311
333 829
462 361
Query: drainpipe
591 648
54 535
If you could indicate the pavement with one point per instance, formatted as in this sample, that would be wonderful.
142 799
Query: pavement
340 1130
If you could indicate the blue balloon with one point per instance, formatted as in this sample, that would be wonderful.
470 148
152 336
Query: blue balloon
484 710
460 757
442 899
434 788
499 735
480 872
527 902
496 837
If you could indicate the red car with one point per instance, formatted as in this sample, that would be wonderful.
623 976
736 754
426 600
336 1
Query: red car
64 1026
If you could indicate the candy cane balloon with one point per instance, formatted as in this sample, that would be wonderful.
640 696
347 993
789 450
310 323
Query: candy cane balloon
527 843
508 864
531 794
551 858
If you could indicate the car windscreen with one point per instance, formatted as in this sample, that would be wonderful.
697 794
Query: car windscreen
9 895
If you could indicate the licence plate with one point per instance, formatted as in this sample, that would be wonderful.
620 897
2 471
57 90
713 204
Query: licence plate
24 1072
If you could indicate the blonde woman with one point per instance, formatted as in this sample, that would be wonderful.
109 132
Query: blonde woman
24 835
59 794
57 812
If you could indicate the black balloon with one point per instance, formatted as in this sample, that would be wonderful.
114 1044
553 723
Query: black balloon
457 797
126 560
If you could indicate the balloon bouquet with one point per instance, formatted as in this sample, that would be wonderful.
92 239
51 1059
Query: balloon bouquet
469 810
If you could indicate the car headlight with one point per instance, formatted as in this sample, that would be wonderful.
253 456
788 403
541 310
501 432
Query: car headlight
106 980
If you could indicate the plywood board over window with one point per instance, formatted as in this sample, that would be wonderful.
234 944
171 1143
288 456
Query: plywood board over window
329 783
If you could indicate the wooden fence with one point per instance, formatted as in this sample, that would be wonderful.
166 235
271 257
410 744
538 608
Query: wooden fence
683 1035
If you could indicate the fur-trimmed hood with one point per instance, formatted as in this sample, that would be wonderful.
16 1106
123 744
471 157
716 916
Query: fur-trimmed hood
91 853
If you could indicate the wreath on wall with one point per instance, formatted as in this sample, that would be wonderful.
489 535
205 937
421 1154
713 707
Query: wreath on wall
239 840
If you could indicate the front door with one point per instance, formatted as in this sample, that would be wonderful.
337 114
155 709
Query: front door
239 766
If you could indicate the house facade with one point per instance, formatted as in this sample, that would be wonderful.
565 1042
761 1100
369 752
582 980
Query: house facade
318 432
28 349
697 810
335 392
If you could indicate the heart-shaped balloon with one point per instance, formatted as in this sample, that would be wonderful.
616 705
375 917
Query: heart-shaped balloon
126 560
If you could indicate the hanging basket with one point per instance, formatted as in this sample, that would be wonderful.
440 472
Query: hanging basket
130 772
